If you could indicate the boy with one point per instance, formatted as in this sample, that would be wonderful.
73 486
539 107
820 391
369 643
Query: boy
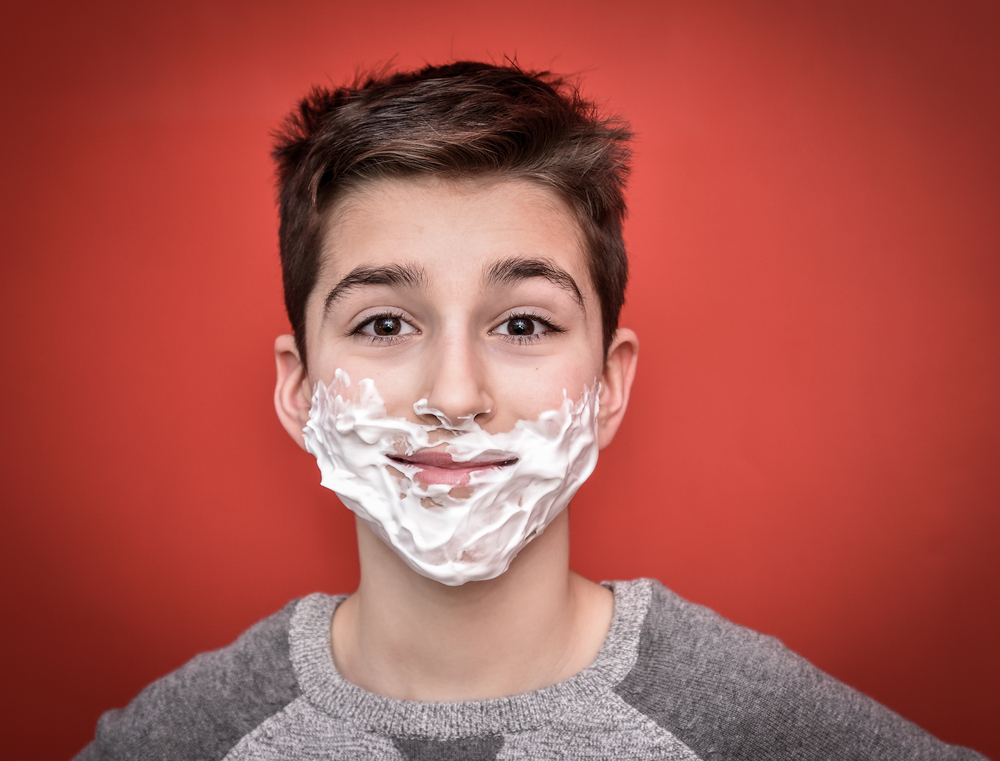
454 271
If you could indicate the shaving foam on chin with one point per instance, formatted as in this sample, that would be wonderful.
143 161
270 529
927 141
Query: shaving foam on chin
450 534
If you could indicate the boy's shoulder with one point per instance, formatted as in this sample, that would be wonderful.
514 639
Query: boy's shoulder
201 710
730 692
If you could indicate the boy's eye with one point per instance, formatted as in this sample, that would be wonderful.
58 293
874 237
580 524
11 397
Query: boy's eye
517 326
385 326
525 326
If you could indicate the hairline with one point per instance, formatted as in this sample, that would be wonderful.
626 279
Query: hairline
457 120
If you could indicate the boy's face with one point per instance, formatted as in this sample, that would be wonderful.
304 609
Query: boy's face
473 295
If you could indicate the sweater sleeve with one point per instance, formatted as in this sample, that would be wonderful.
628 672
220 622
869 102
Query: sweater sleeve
731 694
203 709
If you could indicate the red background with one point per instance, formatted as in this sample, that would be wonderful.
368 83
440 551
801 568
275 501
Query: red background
812 447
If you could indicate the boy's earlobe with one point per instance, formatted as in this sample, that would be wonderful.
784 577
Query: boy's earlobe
616 383
291 397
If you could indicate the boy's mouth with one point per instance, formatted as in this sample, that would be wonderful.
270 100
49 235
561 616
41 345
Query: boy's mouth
438 467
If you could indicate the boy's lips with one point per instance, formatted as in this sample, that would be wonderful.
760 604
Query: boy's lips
438 467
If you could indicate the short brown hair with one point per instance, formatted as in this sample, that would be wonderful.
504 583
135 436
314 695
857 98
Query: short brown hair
458 120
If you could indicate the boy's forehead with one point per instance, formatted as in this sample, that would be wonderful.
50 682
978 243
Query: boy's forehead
434 222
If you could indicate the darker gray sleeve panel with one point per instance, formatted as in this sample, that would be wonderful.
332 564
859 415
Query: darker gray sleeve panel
200 711
730 693
461 749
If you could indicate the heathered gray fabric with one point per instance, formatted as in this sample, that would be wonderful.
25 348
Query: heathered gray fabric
202 710
731 693
464 749
673 681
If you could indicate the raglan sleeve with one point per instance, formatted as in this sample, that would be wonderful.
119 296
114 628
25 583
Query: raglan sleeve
732 694
203 709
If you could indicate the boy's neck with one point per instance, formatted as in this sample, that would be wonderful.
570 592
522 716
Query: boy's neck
405 636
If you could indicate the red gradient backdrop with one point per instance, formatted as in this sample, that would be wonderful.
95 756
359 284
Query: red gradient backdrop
813 443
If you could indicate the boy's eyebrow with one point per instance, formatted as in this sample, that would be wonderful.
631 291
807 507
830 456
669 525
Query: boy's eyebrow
408 275
508 271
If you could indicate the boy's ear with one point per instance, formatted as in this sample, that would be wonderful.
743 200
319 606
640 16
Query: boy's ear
616 382
292 399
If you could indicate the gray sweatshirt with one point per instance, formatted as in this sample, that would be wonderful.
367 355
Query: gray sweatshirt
673 680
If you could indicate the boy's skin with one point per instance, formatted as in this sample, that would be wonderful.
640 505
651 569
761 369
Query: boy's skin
400 634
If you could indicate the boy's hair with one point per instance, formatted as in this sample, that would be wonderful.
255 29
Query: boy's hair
464 119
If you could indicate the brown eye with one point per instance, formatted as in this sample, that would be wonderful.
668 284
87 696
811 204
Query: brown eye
387 326
528 328
520 326
384 327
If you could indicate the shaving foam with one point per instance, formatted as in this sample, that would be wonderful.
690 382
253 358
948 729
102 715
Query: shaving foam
447 533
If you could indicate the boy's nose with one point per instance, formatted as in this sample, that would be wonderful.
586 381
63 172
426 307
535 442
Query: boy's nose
457 387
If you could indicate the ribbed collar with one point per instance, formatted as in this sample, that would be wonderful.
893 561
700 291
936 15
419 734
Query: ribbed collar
312 659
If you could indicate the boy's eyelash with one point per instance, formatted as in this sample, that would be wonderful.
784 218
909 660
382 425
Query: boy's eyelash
550 326
356 331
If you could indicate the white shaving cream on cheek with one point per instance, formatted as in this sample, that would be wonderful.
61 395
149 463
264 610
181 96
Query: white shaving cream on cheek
450 534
